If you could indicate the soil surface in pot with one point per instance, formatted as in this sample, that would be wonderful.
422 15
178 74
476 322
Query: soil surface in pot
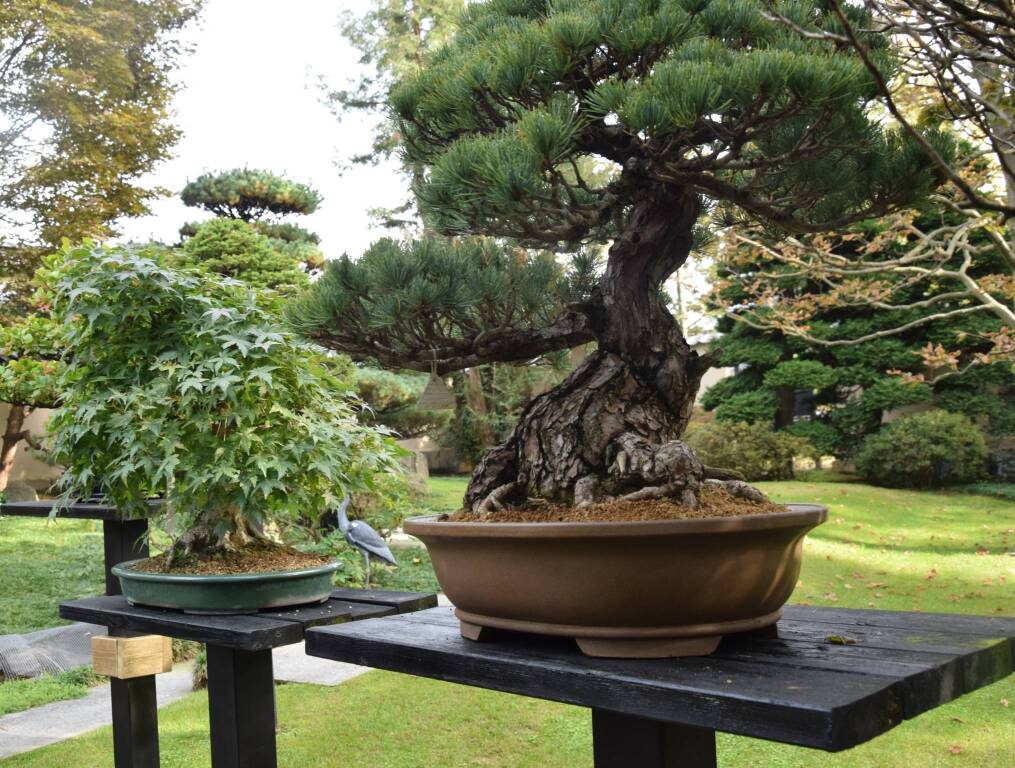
712 502
253 558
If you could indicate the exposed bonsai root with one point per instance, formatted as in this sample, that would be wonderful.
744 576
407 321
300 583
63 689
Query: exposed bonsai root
496 498
739 489
639 470
201 538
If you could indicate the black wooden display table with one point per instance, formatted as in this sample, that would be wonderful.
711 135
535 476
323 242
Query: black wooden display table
122 539
829 678
241 691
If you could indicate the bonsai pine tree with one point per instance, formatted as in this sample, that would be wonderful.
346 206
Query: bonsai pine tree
697 107
257 200
235 249
249 195
182 385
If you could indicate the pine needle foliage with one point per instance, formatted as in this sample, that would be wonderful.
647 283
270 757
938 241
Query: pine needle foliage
249 194
434 301
706 94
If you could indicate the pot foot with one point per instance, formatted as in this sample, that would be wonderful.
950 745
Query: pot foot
648 647
476 632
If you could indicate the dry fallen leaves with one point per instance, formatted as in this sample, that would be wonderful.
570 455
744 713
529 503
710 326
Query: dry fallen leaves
955 749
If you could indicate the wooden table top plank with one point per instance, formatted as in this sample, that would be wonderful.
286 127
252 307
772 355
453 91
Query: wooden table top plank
251 632
993 626
794 688
78 511
402 602
982 658
803 708
75 511
328 612
248 631
967 661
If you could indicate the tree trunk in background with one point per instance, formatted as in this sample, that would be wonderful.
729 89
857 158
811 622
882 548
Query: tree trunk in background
476 399
639 385
13 434
787 407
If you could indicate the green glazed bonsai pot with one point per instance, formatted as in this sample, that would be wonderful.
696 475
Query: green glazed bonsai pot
233 593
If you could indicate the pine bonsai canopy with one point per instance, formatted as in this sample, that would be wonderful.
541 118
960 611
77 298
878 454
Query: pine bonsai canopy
249 194
565 123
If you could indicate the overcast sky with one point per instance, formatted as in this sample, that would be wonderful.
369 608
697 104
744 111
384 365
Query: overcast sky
250 98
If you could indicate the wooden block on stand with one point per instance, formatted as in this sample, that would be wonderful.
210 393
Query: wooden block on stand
127 657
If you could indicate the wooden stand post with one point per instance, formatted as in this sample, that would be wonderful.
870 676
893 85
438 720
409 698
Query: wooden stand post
133 661
122 540
623 741
241 708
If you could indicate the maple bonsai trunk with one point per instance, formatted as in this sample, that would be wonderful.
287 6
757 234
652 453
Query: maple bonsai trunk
218 531
609 428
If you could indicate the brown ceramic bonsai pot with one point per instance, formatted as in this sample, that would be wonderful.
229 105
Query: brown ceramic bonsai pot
644 589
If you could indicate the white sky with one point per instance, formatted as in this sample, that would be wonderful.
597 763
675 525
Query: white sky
250 98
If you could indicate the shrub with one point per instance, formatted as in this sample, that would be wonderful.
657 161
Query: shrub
750 407
924 450
753 449
235 249
180 385
825 439
806 374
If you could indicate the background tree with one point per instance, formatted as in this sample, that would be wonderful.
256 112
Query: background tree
695 105
392 38
959 58
906 319
29 371
233 248
258 199
85 89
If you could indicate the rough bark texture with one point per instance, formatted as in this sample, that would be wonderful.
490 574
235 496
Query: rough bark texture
218 531
14 433
610 427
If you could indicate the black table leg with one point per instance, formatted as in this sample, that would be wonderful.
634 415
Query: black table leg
122 540
623 741
135 719
241 707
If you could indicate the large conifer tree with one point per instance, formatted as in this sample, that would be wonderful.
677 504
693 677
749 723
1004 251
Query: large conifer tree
698 107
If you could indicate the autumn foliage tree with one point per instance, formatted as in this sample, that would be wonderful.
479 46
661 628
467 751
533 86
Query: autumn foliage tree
857 348
957 71
85 92
695 107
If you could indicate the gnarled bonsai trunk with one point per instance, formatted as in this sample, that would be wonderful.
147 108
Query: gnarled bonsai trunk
602 429
218 531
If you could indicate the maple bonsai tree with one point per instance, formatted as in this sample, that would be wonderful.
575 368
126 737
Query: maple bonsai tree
183 386
562 125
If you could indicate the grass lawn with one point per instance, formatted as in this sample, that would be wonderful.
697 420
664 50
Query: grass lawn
18 695
43 563
895 550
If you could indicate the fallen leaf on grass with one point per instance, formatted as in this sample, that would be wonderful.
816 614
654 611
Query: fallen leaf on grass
955 749
1004 703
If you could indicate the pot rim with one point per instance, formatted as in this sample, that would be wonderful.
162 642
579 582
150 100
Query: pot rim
124 570
796 515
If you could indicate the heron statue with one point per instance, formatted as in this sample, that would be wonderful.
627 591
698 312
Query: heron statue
364 538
